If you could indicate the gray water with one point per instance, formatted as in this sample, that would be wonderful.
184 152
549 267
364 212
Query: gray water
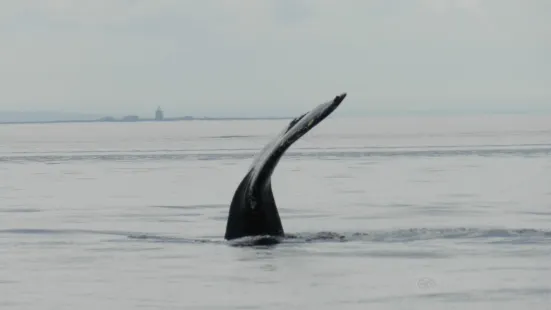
388 213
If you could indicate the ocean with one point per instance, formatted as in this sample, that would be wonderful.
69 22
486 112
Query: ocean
409 212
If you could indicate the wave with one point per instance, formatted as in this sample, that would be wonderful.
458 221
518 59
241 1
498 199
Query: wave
318 154
493 235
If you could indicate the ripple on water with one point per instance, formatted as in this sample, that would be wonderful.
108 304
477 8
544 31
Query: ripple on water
19 210
399 235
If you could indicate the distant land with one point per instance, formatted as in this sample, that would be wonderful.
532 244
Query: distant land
60 117
40 116
45 117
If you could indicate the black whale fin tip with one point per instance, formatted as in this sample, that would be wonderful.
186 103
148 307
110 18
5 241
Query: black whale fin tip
340 98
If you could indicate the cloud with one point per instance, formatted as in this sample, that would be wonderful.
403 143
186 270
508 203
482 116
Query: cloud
272 56
442 6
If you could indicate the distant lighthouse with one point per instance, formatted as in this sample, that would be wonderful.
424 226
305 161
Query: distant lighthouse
159 116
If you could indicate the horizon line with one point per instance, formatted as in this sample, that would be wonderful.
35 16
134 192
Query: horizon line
411 113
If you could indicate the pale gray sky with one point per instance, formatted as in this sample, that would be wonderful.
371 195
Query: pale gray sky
273 57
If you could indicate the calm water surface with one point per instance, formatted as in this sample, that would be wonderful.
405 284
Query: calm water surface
418 213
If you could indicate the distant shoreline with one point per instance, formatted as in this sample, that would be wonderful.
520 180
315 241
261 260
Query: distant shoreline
148 120
135 119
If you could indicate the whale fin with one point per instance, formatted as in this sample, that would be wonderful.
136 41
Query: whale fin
253 211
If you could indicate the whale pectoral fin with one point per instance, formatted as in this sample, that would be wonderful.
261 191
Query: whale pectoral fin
253 213
253 210
273 226
294 121
262 169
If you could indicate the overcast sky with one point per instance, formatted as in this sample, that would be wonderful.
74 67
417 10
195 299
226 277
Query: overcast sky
274 57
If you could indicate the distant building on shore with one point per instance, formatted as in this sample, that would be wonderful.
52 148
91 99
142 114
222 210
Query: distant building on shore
107 119
130 118
159 115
